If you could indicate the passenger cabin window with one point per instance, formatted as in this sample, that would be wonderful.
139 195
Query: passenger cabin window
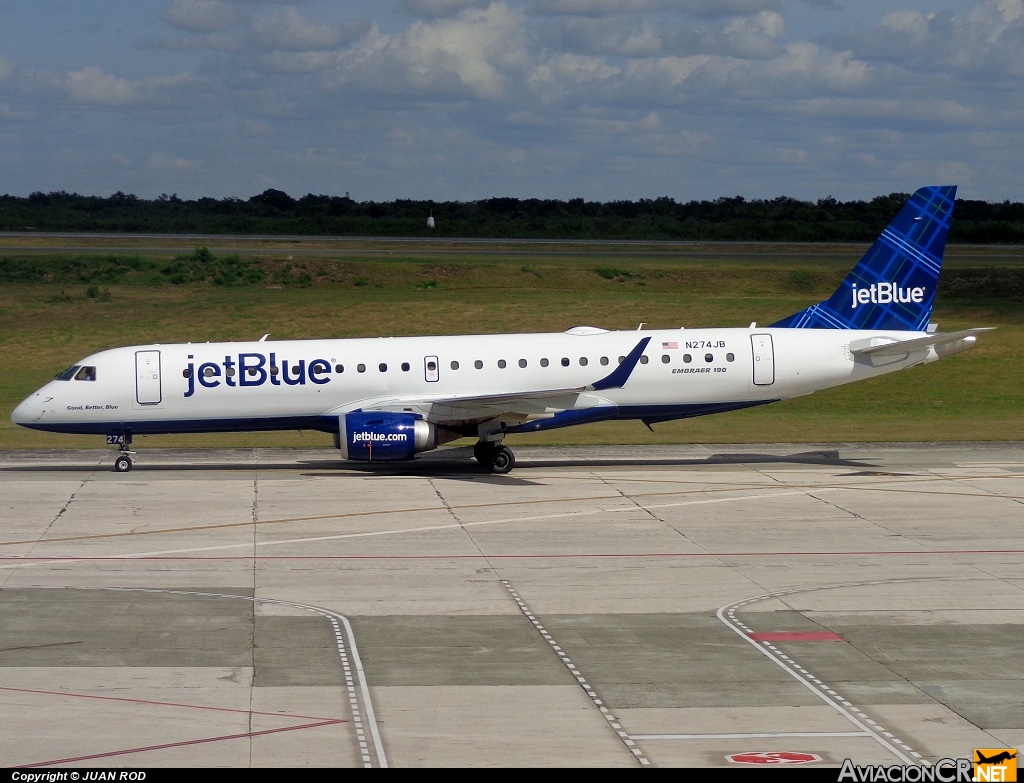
584 361
709 358
455 365
478 364
68 374
522 362
687 358
338 368
501 364
360 368
604 361
730 357
543 362
405 367
665 358
382 367
565 361
644 359
86 374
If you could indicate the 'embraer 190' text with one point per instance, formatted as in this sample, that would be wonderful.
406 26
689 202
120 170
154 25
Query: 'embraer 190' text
255 369
885 293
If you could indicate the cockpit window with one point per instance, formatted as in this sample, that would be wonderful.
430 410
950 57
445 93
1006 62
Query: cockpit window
68 374
86 374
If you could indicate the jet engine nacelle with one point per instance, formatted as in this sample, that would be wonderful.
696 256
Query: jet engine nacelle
383 437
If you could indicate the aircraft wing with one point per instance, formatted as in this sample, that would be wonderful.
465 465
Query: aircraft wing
521 405
885 347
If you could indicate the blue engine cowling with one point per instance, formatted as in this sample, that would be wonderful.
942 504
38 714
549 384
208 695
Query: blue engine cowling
383 437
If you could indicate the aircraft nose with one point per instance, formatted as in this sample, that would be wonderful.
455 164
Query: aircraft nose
30 409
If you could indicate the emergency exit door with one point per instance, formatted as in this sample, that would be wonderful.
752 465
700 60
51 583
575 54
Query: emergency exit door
764 359
147 378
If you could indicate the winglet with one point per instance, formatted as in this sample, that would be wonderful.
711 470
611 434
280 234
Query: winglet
618 377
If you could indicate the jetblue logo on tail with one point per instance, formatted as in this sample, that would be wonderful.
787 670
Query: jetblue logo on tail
893 285
886 293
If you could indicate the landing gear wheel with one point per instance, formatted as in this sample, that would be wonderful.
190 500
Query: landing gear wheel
483 451
503 460
123 464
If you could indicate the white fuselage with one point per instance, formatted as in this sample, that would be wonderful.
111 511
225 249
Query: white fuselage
298 384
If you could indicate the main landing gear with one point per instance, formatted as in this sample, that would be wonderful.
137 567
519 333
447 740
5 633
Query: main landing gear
495 457
123 463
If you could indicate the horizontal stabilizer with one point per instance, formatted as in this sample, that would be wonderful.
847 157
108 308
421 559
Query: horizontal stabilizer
871 346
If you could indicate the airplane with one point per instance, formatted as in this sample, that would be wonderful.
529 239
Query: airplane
384 400
996 759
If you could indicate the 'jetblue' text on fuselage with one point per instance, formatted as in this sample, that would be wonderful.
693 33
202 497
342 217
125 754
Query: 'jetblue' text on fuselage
255 369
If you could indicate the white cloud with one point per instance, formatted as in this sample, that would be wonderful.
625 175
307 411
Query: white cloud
754 36
573 70
619 127
214 42
470 98
162 161
596 7
289 30
468 55
633 38
94 86
436 7
990 39
704 8
808 64
6 68
913 24
201 16
298 62
671 71
920 111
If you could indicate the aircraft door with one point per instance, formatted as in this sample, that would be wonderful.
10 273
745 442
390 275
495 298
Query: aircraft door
431 369
147 378
764 359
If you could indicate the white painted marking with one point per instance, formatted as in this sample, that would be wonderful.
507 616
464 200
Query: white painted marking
753 735
587 689
334 618
253 545
821 690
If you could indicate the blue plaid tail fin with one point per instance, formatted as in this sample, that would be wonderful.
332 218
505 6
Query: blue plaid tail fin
893 285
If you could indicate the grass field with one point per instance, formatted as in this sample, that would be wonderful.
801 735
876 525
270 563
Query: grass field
372 288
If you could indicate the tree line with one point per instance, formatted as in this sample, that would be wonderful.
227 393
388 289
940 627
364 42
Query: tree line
735 218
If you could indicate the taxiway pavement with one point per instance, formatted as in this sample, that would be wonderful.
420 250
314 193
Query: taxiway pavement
597 607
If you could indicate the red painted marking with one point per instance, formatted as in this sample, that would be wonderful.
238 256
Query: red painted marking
795 636
782 757
181 744
72 695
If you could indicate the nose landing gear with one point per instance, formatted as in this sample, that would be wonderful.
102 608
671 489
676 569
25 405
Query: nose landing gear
122 440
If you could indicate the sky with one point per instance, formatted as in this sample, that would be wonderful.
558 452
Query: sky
460 100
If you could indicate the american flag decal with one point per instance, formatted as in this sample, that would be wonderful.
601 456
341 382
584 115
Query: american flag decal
669 346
